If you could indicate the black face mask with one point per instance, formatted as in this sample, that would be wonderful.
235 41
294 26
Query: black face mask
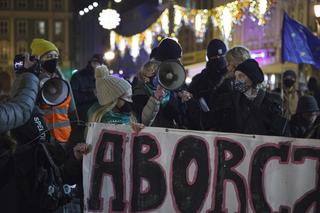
217 66
126 108
50 65
288 82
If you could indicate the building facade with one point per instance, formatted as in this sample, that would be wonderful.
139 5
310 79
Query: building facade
23 20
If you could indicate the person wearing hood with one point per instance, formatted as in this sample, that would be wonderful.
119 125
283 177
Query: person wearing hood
83 86
249 109
305 123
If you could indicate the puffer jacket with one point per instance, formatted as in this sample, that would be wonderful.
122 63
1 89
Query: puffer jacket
17 111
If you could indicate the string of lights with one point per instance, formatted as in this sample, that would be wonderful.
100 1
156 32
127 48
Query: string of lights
224 17
87 9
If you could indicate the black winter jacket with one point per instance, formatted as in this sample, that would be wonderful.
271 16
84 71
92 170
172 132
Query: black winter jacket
262 116
83 86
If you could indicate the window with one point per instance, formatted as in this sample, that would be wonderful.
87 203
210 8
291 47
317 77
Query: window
4 4
57 4
4 28
4 52
40 4
22 4
22 47
58 28
22 27
40 27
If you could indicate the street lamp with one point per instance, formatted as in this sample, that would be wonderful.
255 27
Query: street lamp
316 8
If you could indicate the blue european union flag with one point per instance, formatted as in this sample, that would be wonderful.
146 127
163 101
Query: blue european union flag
299 45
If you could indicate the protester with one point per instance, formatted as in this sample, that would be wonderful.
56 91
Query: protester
114 104
248 109
17 110
204 85
290 93
57 117
235 56
305 123
83 86
153 104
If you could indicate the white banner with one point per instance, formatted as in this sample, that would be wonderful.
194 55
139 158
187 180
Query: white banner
161 170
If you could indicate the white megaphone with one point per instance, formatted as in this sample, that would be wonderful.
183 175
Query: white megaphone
54 91
171 74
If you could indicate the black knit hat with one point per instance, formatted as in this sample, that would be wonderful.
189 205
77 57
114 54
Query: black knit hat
154 53
307 103
251 68
169 49
97 58
289 73
216 47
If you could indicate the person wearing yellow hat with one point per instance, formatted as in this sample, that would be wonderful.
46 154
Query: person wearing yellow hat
57 117
48 53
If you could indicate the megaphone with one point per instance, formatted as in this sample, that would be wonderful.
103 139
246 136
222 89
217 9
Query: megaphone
171 74
54 91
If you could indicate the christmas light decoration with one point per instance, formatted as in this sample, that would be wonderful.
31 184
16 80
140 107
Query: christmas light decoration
223 17
109 19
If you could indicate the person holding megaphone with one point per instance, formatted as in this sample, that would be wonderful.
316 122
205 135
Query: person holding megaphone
56 100
157 95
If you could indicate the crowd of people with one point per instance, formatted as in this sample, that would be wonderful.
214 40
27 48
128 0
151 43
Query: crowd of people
42 144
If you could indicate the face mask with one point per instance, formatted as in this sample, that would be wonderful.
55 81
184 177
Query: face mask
217 66
50 65
240 86
288 82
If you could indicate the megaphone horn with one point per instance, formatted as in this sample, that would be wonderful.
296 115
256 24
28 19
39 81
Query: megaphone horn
54 91
171 74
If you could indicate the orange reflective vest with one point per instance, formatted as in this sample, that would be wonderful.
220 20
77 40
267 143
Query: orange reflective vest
57 120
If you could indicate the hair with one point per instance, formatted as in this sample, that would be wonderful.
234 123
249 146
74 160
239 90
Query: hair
148 67
237 55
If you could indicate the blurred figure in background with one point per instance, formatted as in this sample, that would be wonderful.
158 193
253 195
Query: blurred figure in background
290 93
313 88
83 86
305 123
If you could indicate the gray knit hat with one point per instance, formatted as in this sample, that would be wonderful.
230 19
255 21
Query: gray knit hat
110 88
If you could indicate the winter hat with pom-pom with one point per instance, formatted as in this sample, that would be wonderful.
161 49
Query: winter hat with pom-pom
110 88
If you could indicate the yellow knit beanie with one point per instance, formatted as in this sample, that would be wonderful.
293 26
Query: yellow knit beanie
39 47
